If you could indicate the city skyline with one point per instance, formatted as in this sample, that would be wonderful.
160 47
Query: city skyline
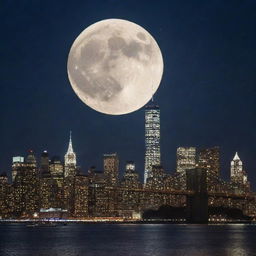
52 188
206 97
186 157
128 127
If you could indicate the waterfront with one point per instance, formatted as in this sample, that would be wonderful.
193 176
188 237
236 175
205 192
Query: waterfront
128 239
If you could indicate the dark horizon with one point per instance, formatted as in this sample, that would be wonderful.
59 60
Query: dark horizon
207 95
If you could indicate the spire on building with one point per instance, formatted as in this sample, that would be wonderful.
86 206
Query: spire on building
70 147
236 157
70 158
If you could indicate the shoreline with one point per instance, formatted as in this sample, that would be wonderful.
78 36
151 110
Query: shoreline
29 221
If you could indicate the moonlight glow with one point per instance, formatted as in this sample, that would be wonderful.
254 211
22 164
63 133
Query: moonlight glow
115 66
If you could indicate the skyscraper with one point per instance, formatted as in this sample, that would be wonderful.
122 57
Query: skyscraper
31 159
111 166
236 170
131 177
70 159
17 161
238 175
4 189
44 165
26 187
209 160
152 139
186 159
56 167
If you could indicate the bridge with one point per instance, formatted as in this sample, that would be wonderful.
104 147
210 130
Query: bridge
196 194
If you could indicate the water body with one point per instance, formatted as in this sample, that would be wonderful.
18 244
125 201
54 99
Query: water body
128 240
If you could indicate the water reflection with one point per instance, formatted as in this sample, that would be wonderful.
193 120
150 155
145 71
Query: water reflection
128 240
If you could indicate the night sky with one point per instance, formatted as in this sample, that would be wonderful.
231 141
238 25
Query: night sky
207 95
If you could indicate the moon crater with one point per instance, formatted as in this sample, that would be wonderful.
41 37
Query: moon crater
115 66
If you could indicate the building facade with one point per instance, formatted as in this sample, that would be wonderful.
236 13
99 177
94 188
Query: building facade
238 175
111 168
17 161
152 139
186 160
209 160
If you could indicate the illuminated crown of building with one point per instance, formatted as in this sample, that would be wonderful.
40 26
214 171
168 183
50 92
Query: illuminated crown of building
70 156
236 170
236 157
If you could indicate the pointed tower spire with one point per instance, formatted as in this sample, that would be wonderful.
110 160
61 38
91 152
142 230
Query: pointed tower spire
236 157
70 159
70 147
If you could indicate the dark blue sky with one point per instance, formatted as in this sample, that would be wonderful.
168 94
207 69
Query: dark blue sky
207 95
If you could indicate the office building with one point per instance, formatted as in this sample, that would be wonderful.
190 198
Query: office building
209 160
17 161
111 168
152 139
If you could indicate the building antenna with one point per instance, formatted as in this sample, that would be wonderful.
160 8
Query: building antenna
152 97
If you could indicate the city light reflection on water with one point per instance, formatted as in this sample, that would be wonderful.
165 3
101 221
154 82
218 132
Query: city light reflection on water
128 240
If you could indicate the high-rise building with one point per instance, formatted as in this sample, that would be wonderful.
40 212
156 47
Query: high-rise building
4 190
44 165
152 139
81 193
238 175
26 187
47 190
129 195
31 159
111 168
70 160
209 160
98 196
17 161
236 170
56 167
156 180
186 160
131 177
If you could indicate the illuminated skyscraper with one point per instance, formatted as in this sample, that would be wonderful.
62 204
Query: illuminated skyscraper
26 187
152 139
111 166
17 161
80 196
4 189
56 167
238 175
31 159
236 170
70 159
209 160
156 179
131 177
186 160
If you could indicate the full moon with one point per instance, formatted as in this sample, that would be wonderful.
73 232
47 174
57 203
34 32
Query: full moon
115 66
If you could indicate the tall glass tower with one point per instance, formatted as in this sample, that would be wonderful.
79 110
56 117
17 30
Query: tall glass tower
152 139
